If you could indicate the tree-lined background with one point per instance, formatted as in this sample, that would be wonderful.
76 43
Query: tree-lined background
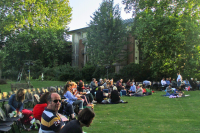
168 32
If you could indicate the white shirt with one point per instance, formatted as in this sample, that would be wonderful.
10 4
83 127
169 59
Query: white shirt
179 78
163 82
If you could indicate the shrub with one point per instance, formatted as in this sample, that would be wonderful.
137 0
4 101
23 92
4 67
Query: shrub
3 81
88 71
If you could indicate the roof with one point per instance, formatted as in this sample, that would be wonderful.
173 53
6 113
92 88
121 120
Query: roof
78 30
126 21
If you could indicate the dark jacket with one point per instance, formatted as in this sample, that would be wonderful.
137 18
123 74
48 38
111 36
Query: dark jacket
14 104
99 96
115 96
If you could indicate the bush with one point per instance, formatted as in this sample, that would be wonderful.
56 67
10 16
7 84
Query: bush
137 71
62 73
11 74
88 71
3 81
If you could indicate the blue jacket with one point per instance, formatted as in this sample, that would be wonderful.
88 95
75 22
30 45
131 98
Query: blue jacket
14 104
133 88
70 97
168 82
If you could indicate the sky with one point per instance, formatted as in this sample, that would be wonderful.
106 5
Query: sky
83 9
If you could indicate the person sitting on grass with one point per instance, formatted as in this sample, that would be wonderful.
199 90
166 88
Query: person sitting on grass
139 91
119 85
132 89
76 93
71 99
99 94
85 118
115 98
88 95
169 90
178 92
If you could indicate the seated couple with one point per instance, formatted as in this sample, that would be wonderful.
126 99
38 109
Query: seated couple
136 90
114 97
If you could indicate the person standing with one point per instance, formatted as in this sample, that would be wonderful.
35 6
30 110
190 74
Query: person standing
179 79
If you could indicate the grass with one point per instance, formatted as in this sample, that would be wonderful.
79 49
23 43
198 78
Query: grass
149 114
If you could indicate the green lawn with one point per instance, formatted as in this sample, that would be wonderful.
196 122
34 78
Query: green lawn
149 114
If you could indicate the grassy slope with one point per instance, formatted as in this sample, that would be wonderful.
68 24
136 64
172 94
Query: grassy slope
148 114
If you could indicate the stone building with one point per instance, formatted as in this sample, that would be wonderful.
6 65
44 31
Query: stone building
79 57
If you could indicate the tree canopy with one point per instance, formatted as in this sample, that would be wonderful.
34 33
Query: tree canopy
106 36
35 30
168 32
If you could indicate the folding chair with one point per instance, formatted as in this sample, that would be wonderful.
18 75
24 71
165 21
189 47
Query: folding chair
36 99
4 121
29 100
9 94
4 128
3 98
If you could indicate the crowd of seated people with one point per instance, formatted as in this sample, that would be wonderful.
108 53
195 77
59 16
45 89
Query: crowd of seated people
46 111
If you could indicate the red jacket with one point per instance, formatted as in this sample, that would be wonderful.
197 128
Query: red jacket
38 110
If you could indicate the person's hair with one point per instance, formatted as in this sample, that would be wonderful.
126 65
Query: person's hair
68 82
99 88
93 79
80 84
20 95
43 98
114 88
85 116
52 89
73 83
49 97
66 88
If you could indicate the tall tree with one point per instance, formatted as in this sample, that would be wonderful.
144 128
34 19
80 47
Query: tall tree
34 30
2 58
17 15
106 36
168 32
46 45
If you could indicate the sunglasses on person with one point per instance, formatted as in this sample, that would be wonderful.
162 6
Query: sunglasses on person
56 101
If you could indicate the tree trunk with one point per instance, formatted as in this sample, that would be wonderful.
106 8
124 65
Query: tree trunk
0 70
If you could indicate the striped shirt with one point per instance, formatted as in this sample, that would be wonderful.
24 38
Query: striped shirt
50 122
